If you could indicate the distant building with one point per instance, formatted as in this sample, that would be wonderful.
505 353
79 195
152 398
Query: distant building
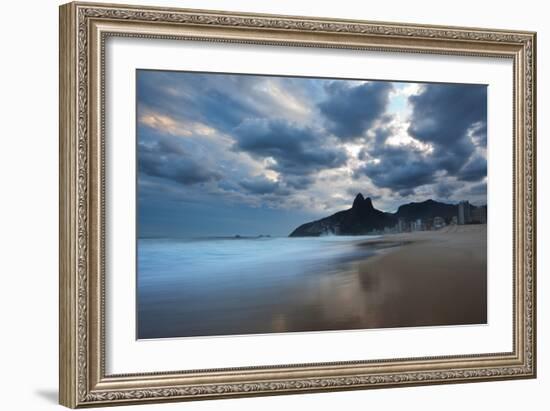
454 220
416 225
427 225
438 223
479 215
401 226
464 213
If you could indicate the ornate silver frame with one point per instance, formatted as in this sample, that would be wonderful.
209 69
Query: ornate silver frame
84 27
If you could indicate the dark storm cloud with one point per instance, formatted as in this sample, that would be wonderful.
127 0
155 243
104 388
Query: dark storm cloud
480 188
217 100
262 185
247 109
474 170
400 168
222 110
351 111
446 189
297 150
298 182
443 114
452 120
165 158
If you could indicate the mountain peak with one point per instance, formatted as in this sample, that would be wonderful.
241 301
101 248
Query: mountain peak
362 218
358 200
367 203
362 202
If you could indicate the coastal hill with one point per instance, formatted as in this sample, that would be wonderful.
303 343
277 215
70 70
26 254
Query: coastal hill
363 218
426 209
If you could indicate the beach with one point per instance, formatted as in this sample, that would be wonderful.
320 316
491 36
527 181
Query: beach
267 285
437 278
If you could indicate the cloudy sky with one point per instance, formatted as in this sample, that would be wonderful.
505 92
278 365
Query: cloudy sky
226 154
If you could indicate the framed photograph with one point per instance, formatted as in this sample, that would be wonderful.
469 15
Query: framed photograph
258 204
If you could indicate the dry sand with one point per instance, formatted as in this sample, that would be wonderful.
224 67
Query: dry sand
434 278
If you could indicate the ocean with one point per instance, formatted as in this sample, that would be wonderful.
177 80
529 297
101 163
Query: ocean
228 286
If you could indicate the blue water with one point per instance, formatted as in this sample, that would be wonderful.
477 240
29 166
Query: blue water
223 286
